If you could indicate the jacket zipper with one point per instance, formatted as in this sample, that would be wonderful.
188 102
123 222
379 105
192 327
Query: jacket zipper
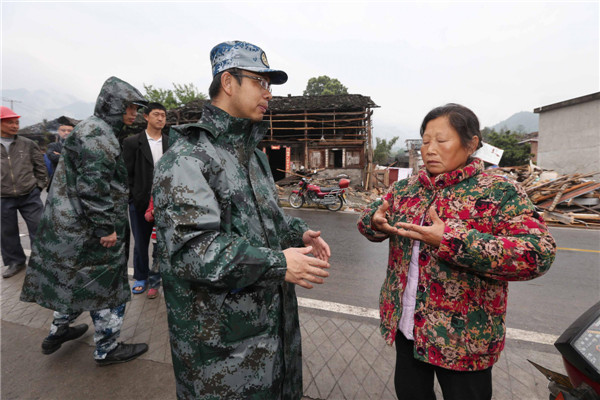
262 224
12 175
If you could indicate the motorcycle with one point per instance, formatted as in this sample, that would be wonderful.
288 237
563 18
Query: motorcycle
331 197
579 346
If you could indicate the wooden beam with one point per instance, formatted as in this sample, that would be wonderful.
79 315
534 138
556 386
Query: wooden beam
332 141
316 121
553 194
305 143
562 218
313 128
321 113
284 135
565 197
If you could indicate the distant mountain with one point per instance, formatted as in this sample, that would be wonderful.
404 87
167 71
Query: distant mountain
523 122
35 106
77 110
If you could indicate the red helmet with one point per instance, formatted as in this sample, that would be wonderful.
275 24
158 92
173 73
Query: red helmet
6 113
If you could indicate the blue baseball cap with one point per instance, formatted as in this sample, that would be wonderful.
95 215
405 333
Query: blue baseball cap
243 55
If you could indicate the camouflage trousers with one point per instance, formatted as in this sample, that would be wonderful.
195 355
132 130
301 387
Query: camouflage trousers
107 327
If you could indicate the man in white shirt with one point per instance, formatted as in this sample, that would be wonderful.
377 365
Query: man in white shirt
140 153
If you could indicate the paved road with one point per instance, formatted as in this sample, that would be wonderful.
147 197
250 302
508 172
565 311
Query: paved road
343 355
545 305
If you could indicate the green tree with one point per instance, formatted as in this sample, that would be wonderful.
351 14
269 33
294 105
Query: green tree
381 154
173 98
324 85
515 153
187 92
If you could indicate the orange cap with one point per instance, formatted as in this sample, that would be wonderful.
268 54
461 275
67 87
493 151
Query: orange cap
6 113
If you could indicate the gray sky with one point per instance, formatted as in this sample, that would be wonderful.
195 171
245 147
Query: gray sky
497 58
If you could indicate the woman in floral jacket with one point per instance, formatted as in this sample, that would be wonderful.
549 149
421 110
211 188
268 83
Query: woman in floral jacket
457 236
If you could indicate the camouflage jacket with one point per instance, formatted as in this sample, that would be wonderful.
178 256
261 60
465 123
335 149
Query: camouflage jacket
233 320
69 270
493 235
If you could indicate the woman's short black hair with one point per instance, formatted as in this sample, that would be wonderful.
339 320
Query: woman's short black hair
463 120
215 85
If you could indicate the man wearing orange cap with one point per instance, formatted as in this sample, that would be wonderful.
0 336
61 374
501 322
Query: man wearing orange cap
23 177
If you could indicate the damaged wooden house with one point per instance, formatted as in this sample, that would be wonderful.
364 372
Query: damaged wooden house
332 133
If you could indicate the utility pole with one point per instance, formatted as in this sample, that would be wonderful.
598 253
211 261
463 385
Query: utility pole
11 101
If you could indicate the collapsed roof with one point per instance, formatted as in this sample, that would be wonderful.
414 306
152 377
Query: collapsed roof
321 103
48 126
192 111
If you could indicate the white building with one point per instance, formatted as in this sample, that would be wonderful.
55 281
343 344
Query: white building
569 135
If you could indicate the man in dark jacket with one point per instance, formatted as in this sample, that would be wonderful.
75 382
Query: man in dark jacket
229 256
54 149
141 152
23 177
79 260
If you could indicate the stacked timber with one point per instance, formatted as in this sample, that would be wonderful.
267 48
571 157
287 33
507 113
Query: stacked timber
572 199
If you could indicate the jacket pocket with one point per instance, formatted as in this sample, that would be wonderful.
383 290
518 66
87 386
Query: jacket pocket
95 282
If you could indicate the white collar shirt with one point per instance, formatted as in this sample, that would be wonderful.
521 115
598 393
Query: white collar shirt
155 148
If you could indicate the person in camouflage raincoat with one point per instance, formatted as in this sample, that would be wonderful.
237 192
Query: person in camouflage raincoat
79 258
457 236
227 251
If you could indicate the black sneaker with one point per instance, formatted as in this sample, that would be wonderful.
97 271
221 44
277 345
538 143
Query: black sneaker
123 353
53 343
12 270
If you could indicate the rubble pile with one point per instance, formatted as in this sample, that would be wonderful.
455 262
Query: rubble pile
572 199
188 113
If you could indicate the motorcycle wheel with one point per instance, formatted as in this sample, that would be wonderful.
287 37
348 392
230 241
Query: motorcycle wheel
337 204
296 200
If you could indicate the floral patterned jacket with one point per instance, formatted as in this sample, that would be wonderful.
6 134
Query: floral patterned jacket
493 235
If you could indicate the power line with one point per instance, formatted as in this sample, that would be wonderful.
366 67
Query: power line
11 101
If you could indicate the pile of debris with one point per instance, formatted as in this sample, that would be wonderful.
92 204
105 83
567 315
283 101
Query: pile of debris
572 199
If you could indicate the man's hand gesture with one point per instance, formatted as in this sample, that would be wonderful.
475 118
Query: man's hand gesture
320 248
303 269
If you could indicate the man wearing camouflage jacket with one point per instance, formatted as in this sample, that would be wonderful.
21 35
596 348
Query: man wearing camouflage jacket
229 255
79 259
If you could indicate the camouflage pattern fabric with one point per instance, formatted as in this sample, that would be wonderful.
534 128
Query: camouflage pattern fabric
107 328
233 320
493 235
69 270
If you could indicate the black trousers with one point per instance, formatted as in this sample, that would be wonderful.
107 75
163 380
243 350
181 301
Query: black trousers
413 379
31 208
142 230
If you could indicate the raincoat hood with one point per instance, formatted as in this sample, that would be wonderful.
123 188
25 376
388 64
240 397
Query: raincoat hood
113 100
